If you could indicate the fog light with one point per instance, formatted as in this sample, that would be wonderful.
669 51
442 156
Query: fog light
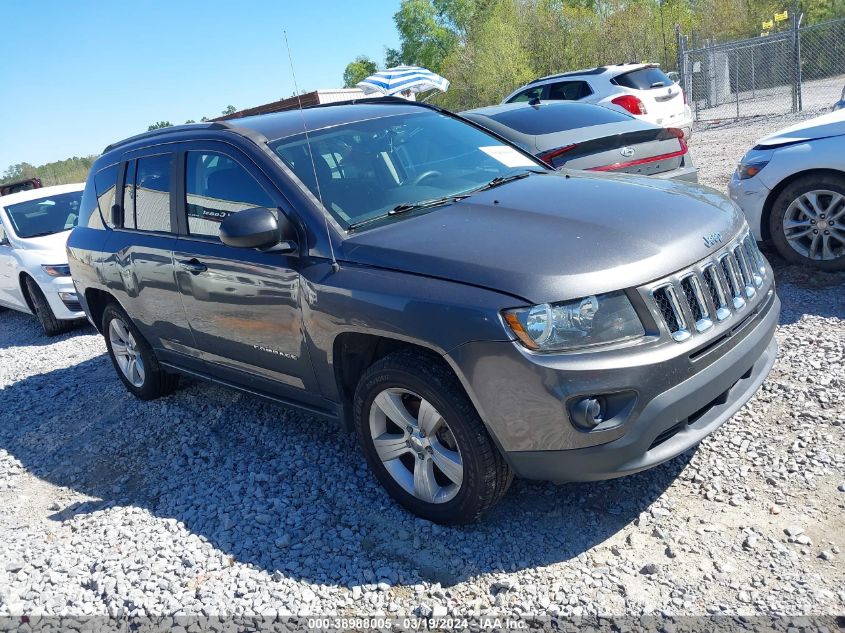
601 412
68 296
587 412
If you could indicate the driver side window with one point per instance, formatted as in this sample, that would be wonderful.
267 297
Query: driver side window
216 186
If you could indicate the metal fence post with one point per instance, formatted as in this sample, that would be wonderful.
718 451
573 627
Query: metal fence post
736 80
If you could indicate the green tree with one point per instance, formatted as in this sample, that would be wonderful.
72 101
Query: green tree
360 68
159 125
189 121
425 37
230 109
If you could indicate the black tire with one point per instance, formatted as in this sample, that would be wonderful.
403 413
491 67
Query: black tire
43 312
486 475
156 381
805 184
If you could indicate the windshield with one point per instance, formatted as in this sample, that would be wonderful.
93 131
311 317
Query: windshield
367 168
45 216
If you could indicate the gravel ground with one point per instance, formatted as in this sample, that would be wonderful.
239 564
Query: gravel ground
210 502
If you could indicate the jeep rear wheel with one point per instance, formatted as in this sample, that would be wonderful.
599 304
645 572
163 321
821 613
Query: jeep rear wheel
424 440
133 358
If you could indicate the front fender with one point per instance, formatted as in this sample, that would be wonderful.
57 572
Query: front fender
433 313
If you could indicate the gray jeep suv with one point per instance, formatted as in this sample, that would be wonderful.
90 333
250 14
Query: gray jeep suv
470 312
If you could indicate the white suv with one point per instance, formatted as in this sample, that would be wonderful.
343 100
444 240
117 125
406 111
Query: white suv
643 90
34 273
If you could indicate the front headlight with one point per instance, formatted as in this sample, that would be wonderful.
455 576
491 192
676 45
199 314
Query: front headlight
749 170
56 270
578 323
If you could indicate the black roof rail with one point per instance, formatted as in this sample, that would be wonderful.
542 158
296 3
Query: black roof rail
572 73
214 125
377 100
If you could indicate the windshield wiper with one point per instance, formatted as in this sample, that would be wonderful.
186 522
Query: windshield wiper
501 180
405 207
42 234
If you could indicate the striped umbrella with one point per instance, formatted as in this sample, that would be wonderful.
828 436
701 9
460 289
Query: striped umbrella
395 80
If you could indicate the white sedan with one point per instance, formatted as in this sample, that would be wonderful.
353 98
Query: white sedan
791 187
34 273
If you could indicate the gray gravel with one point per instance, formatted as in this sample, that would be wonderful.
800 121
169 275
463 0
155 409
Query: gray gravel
210 502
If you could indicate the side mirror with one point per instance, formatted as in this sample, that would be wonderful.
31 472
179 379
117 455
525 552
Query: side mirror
4 241
258 228
116 215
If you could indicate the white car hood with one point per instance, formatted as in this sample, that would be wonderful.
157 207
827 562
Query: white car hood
824 126
50 247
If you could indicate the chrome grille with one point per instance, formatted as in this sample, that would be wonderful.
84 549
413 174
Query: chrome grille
711 291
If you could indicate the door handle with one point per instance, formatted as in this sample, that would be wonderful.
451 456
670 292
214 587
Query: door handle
193 266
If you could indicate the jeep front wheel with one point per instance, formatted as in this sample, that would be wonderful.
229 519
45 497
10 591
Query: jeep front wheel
424 440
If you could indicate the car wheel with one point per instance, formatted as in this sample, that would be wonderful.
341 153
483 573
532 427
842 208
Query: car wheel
133 358
424 440
43 312
808 222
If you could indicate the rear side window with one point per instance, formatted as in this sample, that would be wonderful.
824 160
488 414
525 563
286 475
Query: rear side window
216 186
152 193
129 196
643 79
89 210
105 182
569 91
549 118
528 95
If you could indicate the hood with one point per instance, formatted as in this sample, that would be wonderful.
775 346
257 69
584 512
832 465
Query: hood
556 236
827 125
53 246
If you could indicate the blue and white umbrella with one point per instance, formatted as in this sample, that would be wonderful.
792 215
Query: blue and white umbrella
401 78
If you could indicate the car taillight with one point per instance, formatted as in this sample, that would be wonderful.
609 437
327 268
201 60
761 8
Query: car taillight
679 134
631 103
550 155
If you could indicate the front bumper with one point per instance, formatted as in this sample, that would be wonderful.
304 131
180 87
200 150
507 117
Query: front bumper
750 195
60 293
681 398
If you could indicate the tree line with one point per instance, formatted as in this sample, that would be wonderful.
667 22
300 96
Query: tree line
59 172
486 48
62 172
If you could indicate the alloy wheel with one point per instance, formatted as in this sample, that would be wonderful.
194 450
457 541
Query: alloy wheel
416 446
814 225
126 352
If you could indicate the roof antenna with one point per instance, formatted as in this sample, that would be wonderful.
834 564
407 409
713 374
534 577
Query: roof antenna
335 265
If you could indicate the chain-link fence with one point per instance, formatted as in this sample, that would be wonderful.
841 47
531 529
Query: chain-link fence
802 69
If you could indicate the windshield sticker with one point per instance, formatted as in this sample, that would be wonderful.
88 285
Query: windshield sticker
508 156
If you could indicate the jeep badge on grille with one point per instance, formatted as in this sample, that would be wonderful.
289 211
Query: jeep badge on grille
713 238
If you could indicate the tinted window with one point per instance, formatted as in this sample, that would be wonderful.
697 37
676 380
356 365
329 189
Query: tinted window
89 212
550 117
569 91
644 79
152 193
105 182
215 187
129 196
527 95
45 216
366 168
